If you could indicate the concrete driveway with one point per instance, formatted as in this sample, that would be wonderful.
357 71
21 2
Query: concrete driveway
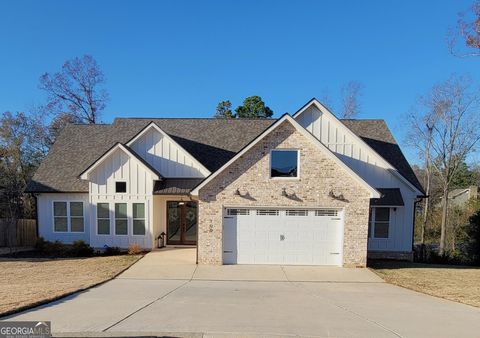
166 294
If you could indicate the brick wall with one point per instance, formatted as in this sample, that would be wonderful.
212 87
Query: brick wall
318 175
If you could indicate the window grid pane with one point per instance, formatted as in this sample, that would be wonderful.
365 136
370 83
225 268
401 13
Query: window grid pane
61 224
381 230
60 209
76 224
139 227
103 227
138 210
76 209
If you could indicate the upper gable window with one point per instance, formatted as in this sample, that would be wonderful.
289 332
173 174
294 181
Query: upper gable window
284 163
120 187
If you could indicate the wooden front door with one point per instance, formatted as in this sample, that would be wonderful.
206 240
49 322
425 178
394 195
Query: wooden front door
182 223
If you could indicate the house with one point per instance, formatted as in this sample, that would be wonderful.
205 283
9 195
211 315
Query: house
306 189
460 197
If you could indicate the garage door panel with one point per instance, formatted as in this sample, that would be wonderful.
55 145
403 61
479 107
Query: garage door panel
285 237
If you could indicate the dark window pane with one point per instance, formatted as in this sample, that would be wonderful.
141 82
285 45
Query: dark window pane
102 210
381 230
103 226
76 224
76 209
121 227
120 210
121 187
284 163
139 227
382 214
60 208
60 224
138 210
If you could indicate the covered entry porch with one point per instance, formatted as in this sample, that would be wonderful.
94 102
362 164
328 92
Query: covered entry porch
175 214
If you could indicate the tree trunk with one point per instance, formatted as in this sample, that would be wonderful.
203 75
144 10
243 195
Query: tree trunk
443 231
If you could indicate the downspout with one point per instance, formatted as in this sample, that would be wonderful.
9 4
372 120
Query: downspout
417 199
36 215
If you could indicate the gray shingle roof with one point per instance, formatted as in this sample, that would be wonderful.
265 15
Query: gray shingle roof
175 186
211 141
390 197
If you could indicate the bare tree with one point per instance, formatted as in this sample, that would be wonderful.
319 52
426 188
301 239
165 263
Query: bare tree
350 94
466 33
76 89
448 129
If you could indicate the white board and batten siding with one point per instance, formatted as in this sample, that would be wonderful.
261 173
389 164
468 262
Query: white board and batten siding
120 167
45 217
166 156
371 167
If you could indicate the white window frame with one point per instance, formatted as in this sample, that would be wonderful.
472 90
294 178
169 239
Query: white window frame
126 186
144 218
109 219
127 218
69 227
284 178
372 223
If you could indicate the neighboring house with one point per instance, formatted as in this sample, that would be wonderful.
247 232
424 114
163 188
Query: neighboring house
460 197
304 189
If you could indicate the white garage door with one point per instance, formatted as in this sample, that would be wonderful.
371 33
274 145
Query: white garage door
282 236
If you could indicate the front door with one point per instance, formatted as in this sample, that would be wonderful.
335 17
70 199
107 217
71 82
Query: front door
182 223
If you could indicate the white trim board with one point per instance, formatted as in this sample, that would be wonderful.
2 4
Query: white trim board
373 192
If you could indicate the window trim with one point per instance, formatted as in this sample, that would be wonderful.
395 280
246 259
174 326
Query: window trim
284 178
144 219
69 227
372 223
109 219
126 186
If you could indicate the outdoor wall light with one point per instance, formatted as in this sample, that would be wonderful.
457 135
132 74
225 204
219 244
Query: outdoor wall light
338 197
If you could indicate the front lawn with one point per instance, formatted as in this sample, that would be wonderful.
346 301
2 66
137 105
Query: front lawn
457 283
27 282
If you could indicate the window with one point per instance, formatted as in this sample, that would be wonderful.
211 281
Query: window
103 219
296 212
68 216
120 187
236 212
379 223
284 163
267 212
326 212
121 220
138 218
76 217
60 216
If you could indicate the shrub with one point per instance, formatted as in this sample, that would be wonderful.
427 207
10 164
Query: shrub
40 244
134 249
112 251
473 231
80 249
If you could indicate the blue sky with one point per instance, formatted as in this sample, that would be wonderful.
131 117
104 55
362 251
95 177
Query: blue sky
179 58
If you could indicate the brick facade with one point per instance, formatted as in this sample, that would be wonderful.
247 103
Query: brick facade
319 174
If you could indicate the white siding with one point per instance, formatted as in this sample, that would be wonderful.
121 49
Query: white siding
370 166
166 156
120 167
45 217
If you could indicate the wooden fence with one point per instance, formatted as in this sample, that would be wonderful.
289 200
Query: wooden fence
24 233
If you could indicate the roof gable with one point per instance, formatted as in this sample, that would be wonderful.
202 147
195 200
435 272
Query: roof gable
118 146
401 169
309 136
166 155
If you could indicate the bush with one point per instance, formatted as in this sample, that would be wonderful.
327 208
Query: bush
473 231
112 251
40 244
134 249
58 249
80 249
